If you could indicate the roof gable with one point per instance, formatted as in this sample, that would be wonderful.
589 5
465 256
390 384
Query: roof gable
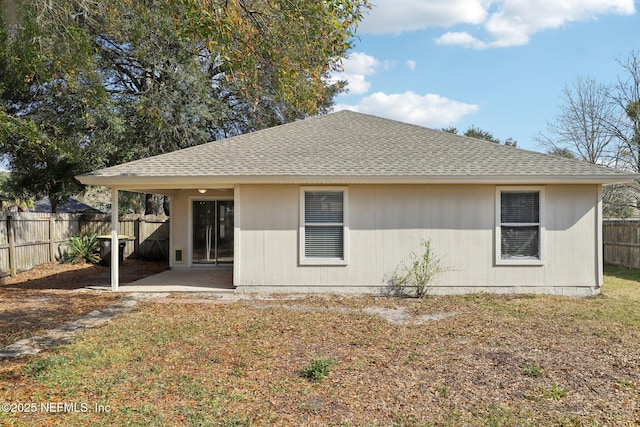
351 147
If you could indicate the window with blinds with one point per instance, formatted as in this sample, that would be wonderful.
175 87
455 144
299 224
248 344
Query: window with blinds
519 217
323 221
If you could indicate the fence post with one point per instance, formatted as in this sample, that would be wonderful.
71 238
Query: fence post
12 247
136 236
52 239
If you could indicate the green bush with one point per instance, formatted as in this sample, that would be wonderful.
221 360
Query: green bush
318 369
532 371
416 275
81 249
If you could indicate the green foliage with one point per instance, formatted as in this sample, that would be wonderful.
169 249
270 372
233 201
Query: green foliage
477 133
39 369
562 152
318 369
87 84
532 371
276 53
555 392
416 274
81 249
51 104
450 129
443 391
4 177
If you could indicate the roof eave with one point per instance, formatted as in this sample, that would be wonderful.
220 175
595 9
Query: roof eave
185 182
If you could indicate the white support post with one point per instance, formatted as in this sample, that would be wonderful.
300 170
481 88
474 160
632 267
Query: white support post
115 244
599 242
237 236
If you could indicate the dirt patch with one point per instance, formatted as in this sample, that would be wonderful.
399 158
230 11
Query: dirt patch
395 316
51 294
69 276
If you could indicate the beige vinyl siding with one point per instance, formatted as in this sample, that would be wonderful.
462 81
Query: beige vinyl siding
387 223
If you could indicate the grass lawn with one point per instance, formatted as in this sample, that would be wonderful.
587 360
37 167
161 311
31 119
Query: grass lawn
339 361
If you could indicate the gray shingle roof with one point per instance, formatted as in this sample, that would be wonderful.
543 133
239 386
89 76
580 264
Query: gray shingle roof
350 147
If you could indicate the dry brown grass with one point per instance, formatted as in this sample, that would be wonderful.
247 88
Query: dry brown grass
52 294
500 360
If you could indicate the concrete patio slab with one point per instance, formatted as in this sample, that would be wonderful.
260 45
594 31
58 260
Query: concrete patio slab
212 279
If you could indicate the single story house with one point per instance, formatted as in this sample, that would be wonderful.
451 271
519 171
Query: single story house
335 203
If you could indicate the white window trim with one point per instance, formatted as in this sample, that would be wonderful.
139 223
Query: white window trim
303 260
498 224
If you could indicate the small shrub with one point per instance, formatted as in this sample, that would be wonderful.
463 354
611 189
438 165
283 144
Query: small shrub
416 275
81 249
442 391
532 371
318 369
555 392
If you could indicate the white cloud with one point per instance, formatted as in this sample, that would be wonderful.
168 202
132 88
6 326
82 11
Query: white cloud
357 84
355 69
505 22
399 16
463 39
360 63
425 110
411 64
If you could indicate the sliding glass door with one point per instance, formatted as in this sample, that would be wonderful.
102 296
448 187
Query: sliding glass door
212 232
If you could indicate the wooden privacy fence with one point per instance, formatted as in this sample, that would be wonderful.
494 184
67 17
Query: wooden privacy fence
621 241
30 239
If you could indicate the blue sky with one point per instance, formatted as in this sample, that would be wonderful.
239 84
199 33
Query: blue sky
498 65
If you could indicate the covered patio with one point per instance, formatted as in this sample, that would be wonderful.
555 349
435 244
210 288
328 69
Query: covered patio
216 280
201 242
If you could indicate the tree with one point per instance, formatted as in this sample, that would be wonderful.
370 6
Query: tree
581 126
117 80
450 129
625 126
51 105
277 54
160 85
477 133
562 152
600 124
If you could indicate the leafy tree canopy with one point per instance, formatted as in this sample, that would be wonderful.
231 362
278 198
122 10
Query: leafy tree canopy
562 152
477 133
86 83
